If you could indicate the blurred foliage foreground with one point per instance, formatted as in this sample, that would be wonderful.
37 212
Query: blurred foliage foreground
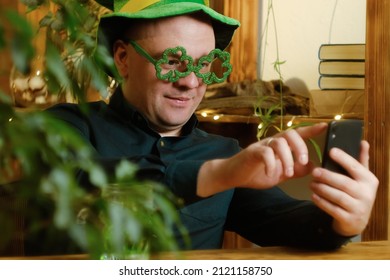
39 155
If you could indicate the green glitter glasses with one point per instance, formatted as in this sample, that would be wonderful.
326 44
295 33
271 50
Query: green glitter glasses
175 64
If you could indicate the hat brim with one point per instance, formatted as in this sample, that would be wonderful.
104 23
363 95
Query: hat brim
112 25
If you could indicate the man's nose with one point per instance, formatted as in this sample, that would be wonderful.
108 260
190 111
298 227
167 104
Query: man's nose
189 81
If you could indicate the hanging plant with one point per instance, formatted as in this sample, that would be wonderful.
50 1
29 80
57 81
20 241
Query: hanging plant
273 117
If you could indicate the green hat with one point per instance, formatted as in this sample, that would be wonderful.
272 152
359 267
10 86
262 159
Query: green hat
112 25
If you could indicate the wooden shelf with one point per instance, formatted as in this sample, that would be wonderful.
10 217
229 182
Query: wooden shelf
224 118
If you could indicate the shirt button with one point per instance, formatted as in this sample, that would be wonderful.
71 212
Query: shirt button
162 144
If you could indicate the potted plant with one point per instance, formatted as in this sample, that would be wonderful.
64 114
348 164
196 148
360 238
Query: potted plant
39 155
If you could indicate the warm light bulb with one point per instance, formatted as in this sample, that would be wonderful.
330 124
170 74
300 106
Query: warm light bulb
204 114
290 123
216 117
338 117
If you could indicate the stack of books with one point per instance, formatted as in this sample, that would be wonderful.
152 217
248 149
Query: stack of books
341 67
341 81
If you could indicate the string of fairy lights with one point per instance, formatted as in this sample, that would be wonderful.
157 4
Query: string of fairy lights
292 120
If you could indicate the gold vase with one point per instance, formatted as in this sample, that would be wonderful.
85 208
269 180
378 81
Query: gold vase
30 89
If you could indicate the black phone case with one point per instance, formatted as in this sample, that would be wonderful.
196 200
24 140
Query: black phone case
346 135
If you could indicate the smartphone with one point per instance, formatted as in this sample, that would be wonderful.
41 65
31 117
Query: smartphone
346 135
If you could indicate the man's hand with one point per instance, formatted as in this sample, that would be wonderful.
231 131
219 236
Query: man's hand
261 165
349 200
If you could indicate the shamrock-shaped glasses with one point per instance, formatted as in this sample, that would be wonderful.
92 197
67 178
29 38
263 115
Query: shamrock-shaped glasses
175 64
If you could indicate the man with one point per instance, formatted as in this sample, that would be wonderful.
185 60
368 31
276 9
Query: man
162 52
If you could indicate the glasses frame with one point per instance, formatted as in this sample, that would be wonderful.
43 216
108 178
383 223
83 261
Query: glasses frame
174 75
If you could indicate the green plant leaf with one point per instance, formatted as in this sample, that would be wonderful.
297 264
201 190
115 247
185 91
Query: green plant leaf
55 67
97 175
317 149
125 170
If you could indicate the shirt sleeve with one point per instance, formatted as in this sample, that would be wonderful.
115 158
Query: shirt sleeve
272 218
181 176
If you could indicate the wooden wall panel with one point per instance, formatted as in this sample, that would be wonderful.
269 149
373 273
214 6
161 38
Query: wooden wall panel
377 108
244 46
5 57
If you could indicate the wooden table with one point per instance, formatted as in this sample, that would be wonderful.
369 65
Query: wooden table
373 250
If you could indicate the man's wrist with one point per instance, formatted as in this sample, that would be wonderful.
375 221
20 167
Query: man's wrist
210 178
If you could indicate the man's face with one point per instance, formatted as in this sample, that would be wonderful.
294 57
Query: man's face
167 105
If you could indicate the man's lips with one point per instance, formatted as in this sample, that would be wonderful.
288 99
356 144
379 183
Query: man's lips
179 99
182 98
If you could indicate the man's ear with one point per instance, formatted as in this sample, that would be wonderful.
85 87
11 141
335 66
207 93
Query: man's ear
120 57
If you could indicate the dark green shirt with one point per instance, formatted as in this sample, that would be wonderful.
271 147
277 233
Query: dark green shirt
266 217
